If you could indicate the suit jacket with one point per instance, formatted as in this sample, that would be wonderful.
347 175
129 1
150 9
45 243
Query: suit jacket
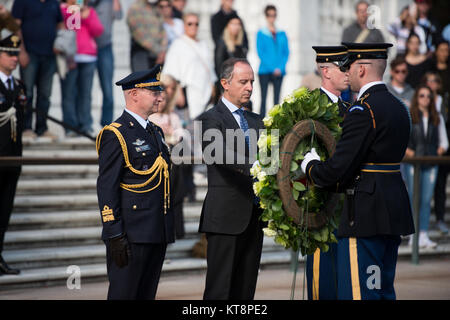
228 205
376 129
16 99
138 215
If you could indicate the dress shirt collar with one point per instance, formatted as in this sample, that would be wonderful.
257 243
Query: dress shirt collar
332 96
143 122
367 86
229 105
5 78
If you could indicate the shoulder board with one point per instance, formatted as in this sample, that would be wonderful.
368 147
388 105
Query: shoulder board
115 124
114 128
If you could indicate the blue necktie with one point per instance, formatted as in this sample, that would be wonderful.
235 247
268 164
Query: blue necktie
244 126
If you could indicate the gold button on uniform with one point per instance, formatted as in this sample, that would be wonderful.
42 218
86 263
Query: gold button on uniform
134 207
144 154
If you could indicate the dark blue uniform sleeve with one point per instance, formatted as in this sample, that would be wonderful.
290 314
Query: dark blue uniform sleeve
339 170
111 164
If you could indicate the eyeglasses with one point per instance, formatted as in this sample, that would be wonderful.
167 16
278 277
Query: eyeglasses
190 24
404 71
424 96
155 93
341 67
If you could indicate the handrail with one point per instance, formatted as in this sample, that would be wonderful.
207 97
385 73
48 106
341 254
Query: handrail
10 161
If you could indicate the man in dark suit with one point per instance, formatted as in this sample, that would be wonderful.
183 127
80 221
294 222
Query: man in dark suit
133 191
366 165
12 105
230 213
321 267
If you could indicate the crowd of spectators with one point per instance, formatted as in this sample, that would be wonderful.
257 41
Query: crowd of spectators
163 33
420 78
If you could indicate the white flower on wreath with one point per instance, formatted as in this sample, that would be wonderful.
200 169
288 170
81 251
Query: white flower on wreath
262 141
255 169
269 232
261 175
289 99
268 120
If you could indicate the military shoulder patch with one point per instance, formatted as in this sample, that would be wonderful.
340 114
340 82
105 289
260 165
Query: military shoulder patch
356 108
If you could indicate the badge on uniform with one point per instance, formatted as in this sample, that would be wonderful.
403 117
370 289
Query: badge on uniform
356 108
143 148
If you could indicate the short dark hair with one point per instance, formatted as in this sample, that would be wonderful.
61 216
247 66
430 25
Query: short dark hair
397 61
268 8
360 3
227 69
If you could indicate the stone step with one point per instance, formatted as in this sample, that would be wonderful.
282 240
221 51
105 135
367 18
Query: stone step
58 154
91 272
59 256
72 218
33 172
56 186
77 143
70 202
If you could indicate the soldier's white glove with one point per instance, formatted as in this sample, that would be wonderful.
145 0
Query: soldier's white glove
312 155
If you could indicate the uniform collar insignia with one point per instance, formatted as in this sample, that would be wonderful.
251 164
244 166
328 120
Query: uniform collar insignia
139 142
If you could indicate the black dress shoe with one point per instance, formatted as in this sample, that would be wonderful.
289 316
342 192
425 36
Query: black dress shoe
5 269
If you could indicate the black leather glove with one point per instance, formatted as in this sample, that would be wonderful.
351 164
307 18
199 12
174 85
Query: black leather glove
120 250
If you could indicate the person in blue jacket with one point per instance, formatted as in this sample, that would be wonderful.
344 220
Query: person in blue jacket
273 51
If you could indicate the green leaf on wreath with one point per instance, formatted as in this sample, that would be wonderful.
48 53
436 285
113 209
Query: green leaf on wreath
276 206
294 166
299 186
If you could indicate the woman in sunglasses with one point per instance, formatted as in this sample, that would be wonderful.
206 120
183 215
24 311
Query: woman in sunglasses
426 140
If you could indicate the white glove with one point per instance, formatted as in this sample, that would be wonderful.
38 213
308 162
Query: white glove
312 155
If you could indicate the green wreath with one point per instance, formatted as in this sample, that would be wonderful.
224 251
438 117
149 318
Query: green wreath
302 104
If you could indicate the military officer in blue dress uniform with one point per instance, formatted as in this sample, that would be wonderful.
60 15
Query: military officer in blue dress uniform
12 105
133 191
366 166
321 267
